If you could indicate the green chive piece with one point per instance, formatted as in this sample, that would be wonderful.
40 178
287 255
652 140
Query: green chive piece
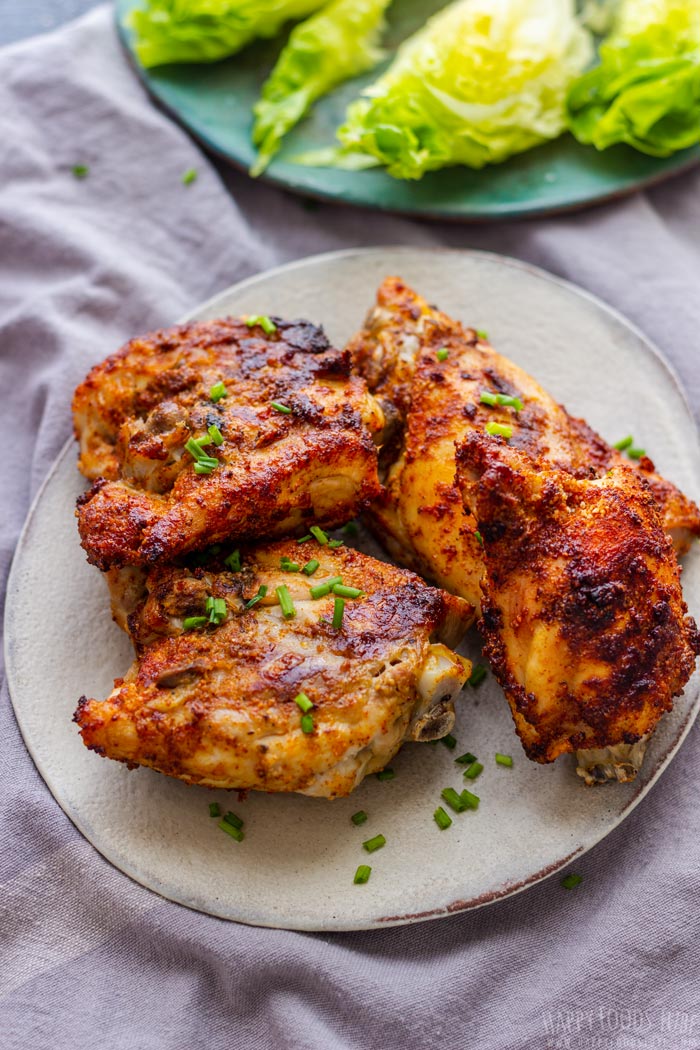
262 591
636 453
477 676
203 468
624 443
449 741
359 818
504 760
473 771
310 567
322 589
215 434
214 809
305 538
189 177
386 774
279 407
217 610
334 544
488 398
350 529
503 430
235 833
302 701
233 820
470 801
319 534
454 800
195 449
346 592
570 882
233 561
190 622
289 566
442 354
466 759
362 875
264 322
481 334
442 819
81 171
307 723
338 610
286 603
479 538
507 401
218 391
375 843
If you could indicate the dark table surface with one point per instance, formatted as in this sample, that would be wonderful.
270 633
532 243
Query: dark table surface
22 18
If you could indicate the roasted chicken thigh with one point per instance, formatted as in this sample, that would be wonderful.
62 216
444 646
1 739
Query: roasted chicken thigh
582 612
221 430
258 677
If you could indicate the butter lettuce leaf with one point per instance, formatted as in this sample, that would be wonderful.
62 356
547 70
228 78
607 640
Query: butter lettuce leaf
482 80
338 43
207 30
646 89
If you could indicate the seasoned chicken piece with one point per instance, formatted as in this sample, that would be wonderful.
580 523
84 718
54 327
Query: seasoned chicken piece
430 375
218 703
582 614
221 430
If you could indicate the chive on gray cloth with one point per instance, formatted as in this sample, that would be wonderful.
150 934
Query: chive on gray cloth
87 957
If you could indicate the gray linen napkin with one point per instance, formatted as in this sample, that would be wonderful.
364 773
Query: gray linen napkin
87 957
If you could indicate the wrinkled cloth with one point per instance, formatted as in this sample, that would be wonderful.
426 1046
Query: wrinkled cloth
89 958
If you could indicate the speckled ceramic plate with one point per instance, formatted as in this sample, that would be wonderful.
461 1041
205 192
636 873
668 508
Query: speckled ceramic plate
296 865
214 102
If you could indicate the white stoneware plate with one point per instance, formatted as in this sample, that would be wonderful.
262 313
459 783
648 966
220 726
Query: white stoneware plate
295 868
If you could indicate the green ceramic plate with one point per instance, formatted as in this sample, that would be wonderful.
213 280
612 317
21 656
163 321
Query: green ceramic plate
214 103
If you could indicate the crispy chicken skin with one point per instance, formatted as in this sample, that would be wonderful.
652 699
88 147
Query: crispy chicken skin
582 614
433 403
278 471
215 705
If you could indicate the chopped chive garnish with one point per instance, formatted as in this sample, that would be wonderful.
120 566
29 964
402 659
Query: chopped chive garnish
215 434
233 561
362 875
279 407
441 818
195 449
487 398
507 401
375 843
286 603
503 760
636 453
189 176
454 800
570 882
503 430
203 468
303 539
265 323
449 741
624 443
214 809
334 544
190 622
262 591
359 818
235 833
307 723
319 534
472 772
481 334
466 759
442 354
477 676
479 538
322 589
289 566
302 701
233 820
338 610
310 567
346 592
216 607
80 170
218 391
386 774
350 529
470 801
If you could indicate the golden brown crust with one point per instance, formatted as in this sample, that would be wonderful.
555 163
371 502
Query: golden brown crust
583 616
215 705
277 471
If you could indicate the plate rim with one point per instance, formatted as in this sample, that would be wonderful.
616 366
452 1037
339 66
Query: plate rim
458 906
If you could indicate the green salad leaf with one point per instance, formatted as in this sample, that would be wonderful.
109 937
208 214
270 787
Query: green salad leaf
339 42
207 30
482 80
646 90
